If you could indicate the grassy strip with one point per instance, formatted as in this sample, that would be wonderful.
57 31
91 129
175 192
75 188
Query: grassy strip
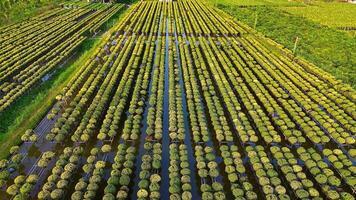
328 48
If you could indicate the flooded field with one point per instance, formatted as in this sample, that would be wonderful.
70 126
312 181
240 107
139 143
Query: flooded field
182 102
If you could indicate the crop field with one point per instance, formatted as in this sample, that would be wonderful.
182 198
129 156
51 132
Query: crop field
33 48
183 102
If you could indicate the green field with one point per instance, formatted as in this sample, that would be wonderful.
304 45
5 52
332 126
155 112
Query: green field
18 10
246 3
332 14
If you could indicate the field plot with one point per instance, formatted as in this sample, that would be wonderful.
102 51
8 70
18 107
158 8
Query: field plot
181 102
31 50
247 3
332 14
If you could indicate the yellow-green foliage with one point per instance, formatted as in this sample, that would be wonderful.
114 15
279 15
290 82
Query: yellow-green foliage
12 11
333 14
257 2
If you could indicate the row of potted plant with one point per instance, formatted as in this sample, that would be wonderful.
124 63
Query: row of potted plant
131 131
325 177
195 104
307 68
16 31
109 127
303 123
22 186
329 123
120 70
98 22
255 110
343 164
274 101
179 170
236 172
207 168
266 174
316 87
294 173
37 35
121 170
34 72
82 184
152 155
213 103
76 108
298 115
64 168
31 72
7 166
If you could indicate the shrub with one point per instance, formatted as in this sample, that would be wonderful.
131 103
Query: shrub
280 189
124 180
33 178
155 178
142 193
321 178
302 193
333 180
19 180
57 194
14 149
12 190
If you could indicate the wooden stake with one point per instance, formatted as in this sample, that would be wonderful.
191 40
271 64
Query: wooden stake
295 45
256 16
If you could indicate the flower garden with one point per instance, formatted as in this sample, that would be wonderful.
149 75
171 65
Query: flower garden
183 102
